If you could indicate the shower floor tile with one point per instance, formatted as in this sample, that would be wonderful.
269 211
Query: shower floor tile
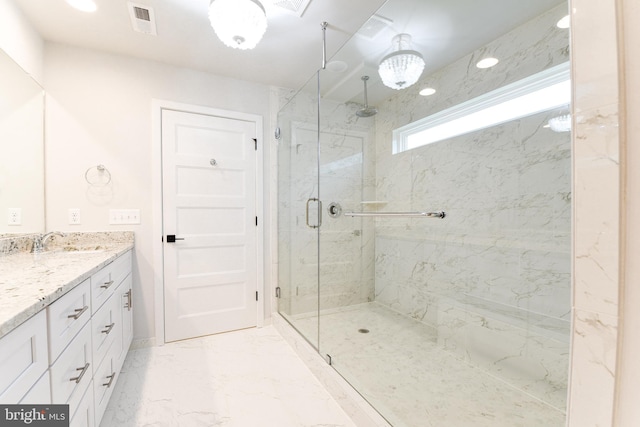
399 367
244 378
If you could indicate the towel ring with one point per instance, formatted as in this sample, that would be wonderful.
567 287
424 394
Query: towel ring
97 175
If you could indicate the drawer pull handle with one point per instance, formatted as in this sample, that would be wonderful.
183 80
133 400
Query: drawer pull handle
107 284
109 328
78 313
128 303
79 377
111 377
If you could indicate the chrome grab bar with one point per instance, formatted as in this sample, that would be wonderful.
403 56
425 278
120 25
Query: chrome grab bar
439 214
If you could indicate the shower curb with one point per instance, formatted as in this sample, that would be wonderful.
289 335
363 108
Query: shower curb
353 404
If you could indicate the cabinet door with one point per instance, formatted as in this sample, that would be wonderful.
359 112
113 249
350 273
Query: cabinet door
23 358
107 280
84 416
106 327
72 372
40 394
103 382
66 317
126 316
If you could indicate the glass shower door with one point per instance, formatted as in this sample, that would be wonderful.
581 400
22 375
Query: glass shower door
346 258
298 211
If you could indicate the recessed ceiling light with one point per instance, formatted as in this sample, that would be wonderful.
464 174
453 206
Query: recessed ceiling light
427 91
83 5
564 22
487 62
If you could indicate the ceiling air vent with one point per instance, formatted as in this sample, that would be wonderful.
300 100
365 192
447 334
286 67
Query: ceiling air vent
296 7
374 26
142 18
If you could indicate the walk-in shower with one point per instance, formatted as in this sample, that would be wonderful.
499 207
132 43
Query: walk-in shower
425 251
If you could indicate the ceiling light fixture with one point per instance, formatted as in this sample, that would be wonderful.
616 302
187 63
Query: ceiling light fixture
239 24
564 22
403 67
83 5
560 123
487 62
427 91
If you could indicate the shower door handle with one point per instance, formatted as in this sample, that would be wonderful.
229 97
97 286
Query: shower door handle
313 199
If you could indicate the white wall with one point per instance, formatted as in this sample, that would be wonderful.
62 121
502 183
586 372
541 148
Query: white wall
20 40
99 112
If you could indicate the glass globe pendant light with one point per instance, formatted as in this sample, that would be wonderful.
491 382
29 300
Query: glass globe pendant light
403 67
239 24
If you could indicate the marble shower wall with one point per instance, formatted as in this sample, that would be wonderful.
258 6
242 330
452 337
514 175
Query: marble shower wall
499 265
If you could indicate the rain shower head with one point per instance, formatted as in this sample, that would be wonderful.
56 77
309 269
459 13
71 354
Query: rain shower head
366 111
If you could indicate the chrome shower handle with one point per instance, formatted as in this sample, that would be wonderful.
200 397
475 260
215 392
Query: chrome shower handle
313 199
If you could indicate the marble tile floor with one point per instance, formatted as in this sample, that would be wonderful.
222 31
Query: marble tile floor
413 382
245 378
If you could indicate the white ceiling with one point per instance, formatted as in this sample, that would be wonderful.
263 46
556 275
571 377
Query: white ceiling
291 50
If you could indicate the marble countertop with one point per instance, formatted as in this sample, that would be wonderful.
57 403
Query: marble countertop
30 282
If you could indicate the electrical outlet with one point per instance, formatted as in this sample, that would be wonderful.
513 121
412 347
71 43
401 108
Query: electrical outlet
74 216
15 216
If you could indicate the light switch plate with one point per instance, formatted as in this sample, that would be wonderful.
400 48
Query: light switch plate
124 216
15 216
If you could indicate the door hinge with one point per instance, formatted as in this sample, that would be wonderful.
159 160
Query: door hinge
277 132
278 292
256 221
255 142
256 295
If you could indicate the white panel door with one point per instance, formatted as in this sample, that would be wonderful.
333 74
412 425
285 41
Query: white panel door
209 201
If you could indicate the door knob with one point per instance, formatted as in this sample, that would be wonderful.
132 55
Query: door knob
171 238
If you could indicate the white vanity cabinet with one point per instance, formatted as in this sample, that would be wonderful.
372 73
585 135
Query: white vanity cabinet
111 327
126 317
72 351
24 359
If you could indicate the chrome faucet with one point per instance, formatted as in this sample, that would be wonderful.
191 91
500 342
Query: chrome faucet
40 241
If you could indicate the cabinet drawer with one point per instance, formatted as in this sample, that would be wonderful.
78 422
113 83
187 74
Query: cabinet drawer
104 380
40 394
66 317
84 416
23 358
106 329
71 373
105 281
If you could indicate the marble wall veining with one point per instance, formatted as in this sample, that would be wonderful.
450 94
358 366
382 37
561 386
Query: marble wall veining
499 265
597 167
597 207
